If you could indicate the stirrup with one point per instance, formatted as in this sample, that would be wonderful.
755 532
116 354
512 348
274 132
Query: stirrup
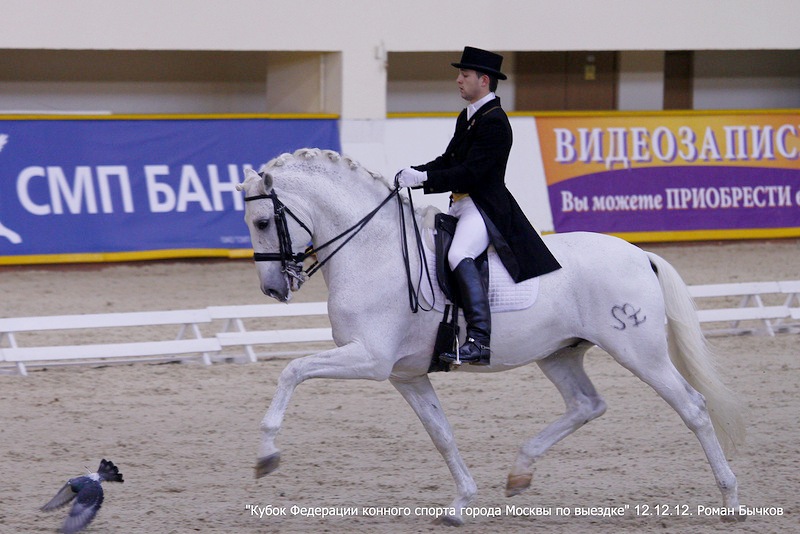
457 358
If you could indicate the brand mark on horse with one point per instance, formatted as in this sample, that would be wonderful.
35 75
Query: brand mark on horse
627 314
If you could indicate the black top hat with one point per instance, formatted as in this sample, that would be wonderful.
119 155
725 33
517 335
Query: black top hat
482 61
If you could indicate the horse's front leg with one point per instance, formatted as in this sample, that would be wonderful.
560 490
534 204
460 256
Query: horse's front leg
348 361
419 393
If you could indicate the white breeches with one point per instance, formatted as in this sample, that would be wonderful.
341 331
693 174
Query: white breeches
471 237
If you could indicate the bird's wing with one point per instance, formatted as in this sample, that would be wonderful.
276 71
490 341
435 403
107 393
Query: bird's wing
64 495
90 497
109 472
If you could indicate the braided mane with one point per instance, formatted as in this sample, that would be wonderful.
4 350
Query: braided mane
324 156
315 157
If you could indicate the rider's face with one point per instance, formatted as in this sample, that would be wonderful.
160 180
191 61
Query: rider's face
472 85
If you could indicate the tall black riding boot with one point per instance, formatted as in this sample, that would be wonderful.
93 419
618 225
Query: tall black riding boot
475 303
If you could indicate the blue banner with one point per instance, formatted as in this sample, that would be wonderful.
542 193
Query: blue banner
106 189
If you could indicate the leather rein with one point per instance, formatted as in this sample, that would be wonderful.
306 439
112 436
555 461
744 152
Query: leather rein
292 263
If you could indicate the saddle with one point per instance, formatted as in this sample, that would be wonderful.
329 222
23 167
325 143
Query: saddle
504 294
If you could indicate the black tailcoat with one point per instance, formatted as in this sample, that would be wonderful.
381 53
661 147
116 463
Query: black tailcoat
475 163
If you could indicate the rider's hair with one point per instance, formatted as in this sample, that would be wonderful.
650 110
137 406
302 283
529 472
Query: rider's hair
492 80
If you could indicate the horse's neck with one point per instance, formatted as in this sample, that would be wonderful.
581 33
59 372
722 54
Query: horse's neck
372 258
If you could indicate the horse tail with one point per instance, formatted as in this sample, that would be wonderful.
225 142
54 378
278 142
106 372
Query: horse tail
693 358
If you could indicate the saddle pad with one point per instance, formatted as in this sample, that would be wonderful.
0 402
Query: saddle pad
504 294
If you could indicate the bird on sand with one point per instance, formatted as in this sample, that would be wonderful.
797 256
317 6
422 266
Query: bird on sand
87 494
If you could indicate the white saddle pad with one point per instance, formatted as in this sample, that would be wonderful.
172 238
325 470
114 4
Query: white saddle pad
504 294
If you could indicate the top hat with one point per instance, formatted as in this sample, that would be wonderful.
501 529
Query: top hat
482 61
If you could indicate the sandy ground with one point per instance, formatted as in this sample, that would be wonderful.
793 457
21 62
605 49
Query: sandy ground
185 436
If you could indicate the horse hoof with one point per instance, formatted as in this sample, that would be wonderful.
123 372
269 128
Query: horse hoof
268 464
734 518
449 521
517 484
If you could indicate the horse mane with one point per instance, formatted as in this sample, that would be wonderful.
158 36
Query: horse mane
311 155
305 156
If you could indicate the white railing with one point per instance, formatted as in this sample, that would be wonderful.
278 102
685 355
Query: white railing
724 309
232 333
770 306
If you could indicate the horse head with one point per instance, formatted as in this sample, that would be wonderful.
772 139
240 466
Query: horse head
319 186
276 238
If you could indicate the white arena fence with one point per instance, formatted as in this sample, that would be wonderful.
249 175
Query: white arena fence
220 333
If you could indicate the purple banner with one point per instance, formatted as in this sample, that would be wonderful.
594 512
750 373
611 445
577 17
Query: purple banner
672 176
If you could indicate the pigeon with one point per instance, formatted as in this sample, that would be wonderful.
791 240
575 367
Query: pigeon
87 495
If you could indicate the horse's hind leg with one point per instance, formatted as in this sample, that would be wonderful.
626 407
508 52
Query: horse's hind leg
419 393
565 369
665 379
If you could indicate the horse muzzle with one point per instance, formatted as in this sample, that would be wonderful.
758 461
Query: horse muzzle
277 294
282 286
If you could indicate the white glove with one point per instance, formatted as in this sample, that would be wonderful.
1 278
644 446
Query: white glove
409 177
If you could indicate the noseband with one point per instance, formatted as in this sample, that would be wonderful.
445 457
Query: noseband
291 262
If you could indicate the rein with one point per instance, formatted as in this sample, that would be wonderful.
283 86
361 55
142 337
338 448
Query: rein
292 263
413 295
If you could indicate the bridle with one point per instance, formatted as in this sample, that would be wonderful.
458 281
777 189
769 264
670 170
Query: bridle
292 262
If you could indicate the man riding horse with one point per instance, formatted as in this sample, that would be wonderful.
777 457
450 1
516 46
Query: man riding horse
473 169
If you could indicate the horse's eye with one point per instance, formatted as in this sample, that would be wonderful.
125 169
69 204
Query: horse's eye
262 224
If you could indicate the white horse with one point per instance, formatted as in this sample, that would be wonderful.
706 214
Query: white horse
609 293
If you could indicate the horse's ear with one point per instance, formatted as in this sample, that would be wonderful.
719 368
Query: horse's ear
267 180
251 175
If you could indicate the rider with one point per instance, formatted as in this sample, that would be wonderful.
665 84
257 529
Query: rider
473 168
